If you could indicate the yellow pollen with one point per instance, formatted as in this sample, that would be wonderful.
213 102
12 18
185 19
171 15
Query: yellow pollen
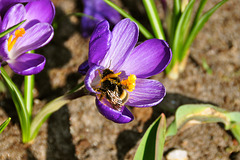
18 33
129 83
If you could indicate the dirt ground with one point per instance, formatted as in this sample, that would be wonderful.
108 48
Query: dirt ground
79 132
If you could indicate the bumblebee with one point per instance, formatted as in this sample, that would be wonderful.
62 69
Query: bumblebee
112 89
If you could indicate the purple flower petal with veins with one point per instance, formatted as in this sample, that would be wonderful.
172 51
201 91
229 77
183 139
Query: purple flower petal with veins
118 70
33 34
98 10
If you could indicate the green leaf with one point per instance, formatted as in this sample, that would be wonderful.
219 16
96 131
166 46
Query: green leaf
199 11
160 138
236 131
45 112
205 113
154 19
19 104
199 25
206 66
202 113
142 29
174 18
11 29
152 140
182 31
4 124
53 106
179 35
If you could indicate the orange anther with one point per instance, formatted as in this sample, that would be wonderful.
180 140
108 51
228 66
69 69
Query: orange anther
18 33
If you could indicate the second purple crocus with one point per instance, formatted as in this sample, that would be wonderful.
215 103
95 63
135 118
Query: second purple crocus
33 34
117 72
98 10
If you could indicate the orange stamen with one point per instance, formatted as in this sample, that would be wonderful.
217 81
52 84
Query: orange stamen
129 83
18 33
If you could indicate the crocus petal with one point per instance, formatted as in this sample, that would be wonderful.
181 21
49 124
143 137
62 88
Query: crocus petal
87 23
92 78
13 16
124 38
28 64
83 68
34 38
100 10
4 49
149 58
5 4
123 116
39 11
99 43
110 14
147 93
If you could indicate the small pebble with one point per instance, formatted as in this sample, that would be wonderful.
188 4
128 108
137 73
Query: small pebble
177 154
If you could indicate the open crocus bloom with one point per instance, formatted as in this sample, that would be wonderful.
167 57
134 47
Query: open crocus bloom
33 34
98 10
117 71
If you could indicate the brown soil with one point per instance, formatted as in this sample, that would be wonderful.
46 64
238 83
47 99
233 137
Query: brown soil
78 131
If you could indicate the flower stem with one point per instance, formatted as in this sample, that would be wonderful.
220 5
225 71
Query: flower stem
28 92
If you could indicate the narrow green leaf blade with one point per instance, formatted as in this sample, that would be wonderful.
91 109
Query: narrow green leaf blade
154 19
235 129
4 124
199 11
179 35
174 18
146 148
45 112
11 29
19 104
172 129
142 29
53 106
199 25
181 31
160 138
234 117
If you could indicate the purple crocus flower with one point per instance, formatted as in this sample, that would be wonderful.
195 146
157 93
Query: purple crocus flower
33 34
98 10
117 71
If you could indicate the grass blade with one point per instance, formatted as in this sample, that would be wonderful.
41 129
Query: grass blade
199 11
180 33
146 148
160 138
199 25
142 29
53 106
236 131
174 20
154 19
19 104
4 124
11 29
